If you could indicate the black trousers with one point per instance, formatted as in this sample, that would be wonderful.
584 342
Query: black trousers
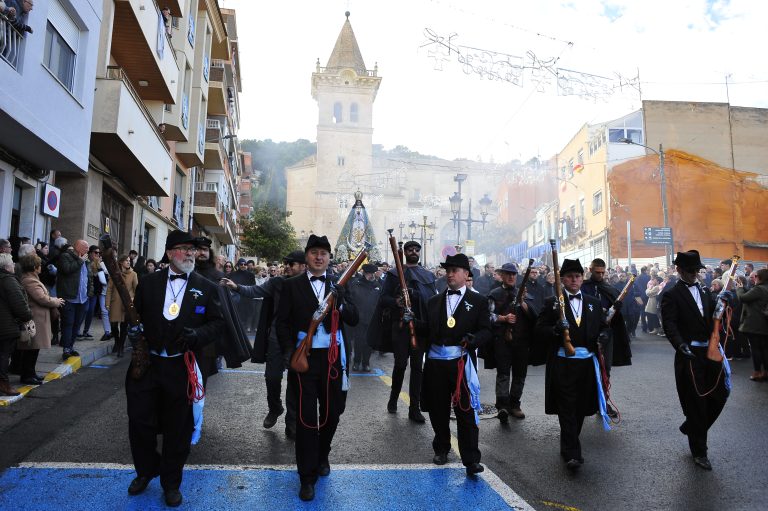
273 375
701 412
575 393
759 347
439 384
28 362
314 392
510 356
401 346
157 404
362 350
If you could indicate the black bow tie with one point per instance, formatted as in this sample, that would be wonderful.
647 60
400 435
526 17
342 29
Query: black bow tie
695 284
454 292
320 278
173 277
577 296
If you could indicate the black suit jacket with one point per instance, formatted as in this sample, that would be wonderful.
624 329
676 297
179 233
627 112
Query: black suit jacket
297 305
680 315
471 315
200 310
584 335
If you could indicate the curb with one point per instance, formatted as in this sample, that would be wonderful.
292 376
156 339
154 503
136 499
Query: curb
69 366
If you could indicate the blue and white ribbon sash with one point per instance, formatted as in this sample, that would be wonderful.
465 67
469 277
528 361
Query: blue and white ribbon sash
584 353
726 365
322 339
437 352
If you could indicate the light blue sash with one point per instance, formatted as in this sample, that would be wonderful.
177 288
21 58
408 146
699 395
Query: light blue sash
584 353
470 372
321 340
726 365
445 352
197 406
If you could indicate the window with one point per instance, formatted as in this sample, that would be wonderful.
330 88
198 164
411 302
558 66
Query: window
570 168
336 113
59 57
580 157
340 161
353 112
597 202
633 134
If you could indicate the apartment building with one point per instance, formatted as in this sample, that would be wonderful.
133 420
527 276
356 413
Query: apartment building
46 110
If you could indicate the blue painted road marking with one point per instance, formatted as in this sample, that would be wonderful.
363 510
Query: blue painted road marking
349 487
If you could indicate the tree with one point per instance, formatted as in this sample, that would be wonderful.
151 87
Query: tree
267 233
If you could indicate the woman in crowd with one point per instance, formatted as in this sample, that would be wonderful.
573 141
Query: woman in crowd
94 267
151 266
754 322
42 306
651 308
115 304
14 310
228 267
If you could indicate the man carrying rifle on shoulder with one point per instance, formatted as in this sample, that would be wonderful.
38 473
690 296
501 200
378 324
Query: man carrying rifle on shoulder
513 325
325 382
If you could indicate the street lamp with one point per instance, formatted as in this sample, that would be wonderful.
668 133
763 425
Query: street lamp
401 226
455 201
412 227
660 154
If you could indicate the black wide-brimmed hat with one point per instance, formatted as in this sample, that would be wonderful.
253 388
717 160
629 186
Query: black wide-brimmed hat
571 265
178 238
456 261
317 242
297 256
689 260
370 268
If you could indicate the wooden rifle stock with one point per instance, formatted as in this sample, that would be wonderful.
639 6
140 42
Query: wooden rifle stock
140 352
713 347
300 357
398 255
509 332
612 311
567 346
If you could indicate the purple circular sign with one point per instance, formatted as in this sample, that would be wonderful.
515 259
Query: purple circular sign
52 200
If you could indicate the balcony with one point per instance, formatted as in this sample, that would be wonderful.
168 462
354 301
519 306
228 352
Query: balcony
215 154
125 138
141 47
217 92
10 42
209 210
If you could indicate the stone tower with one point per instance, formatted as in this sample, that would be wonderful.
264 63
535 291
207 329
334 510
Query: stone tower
321 192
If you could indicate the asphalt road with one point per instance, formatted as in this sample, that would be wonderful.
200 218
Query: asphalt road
643 463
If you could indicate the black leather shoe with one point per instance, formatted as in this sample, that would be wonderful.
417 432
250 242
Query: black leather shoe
172 498
503 415
703 462
138 485
106 337
440 459
517 413
573 464
366 368
415 415
474 468
356 367
324 469
31 380
73 353
307 492
271 419
392 406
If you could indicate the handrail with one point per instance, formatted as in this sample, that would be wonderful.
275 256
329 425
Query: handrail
117 73
10 42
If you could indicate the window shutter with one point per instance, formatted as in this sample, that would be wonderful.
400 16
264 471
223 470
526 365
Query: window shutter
64 24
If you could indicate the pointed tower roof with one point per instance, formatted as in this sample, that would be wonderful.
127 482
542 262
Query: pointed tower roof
346 53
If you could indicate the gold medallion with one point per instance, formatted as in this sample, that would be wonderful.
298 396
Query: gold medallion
173 309
451 322
578 321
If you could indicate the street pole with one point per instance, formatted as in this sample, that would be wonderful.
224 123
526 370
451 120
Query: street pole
469 220
629 244
458 217
669 249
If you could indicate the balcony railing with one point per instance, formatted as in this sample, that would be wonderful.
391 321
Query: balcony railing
334 70
117 73
10 42
207 187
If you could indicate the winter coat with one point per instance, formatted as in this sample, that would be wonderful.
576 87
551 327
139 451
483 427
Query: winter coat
113 301
68 276
754 302
40 303
652 293
14 308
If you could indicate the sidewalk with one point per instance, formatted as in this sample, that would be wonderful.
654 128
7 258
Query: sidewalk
53 367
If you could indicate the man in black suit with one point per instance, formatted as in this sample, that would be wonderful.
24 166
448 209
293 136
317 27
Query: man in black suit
571 388
180 313
456 324
320 385
702 384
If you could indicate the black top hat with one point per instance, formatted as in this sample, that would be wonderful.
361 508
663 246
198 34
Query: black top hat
690 260
317 242
508 267
370 268
456 261
179 237
571 265
409 244
297 256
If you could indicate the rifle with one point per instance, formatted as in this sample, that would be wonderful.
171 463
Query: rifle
300 357
398 253
622 295
713 348
140 352
509 331
567 346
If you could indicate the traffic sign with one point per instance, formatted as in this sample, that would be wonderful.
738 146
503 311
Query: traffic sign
657 235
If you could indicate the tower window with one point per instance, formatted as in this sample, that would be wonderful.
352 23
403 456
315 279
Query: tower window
353 112
340 161
337 113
